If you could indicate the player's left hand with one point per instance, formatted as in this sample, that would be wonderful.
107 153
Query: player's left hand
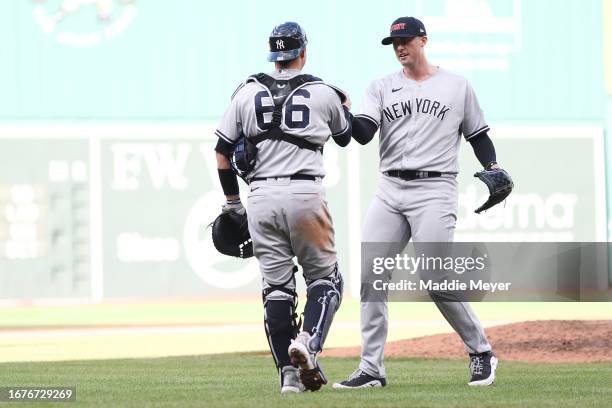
500 186
233 206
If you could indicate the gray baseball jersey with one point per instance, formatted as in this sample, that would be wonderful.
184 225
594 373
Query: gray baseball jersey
313 112
421 122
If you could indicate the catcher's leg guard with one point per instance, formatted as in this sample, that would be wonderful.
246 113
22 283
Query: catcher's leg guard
323 299
280 321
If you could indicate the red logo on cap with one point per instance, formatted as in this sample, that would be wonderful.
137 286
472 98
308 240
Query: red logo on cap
398 26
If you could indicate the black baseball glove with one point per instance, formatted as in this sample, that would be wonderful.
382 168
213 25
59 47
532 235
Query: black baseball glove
230 234
500 186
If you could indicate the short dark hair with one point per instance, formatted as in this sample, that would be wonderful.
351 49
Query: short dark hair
284 64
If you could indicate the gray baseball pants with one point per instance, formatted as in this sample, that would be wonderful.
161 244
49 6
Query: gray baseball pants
287 219
424 210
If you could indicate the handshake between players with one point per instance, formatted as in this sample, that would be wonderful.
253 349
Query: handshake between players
272 135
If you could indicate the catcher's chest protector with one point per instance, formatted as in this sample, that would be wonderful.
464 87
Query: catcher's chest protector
245 150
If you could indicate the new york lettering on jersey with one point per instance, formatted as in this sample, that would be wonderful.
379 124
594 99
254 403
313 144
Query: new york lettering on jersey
419 120
404 108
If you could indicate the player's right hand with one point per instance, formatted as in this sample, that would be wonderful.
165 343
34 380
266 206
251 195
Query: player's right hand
233 206
347 102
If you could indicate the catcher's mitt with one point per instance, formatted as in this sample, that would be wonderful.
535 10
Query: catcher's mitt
500 186
230 234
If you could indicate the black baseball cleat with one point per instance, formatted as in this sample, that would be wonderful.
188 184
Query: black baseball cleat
482 368
360 379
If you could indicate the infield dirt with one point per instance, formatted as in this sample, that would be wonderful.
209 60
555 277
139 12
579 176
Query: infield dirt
545 341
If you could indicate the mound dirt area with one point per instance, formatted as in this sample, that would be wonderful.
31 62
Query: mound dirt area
545 341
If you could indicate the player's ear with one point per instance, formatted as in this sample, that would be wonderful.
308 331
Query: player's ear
423 41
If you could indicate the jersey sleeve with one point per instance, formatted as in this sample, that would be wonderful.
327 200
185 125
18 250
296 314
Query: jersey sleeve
371 105
230 125
337 122
473 122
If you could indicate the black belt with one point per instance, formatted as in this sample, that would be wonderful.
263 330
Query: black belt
293 177
411 174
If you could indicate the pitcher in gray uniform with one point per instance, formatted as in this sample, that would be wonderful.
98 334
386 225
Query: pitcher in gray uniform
421 112
272 135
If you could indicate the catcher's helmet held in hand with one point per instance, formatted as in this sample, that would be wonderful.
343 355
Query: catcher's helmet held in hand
287 40
230 234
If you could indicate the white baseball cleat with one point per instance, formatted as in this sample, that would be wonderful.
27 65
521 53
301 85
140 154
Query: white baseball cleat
311 374
482 369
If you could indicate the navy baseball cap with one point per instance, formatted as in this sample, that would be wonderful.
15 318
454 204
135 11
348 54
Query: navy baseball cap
405 27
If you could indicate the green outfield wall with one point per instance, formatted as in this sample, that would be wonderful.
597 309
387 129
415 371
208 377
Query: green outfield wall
107 114
182 60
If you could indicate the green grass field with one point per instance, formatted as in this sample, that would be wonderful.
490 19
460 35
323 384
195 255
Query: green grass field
249 380
240 330
250 310
159 369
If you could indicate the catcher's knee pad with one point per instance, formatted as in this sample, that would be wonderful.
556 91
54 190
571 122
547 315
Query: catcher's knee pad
280 321
323 300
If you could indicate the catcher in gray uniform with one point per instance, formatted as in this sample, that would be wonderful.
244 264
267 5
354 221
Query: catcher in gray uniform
421 112
272 135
